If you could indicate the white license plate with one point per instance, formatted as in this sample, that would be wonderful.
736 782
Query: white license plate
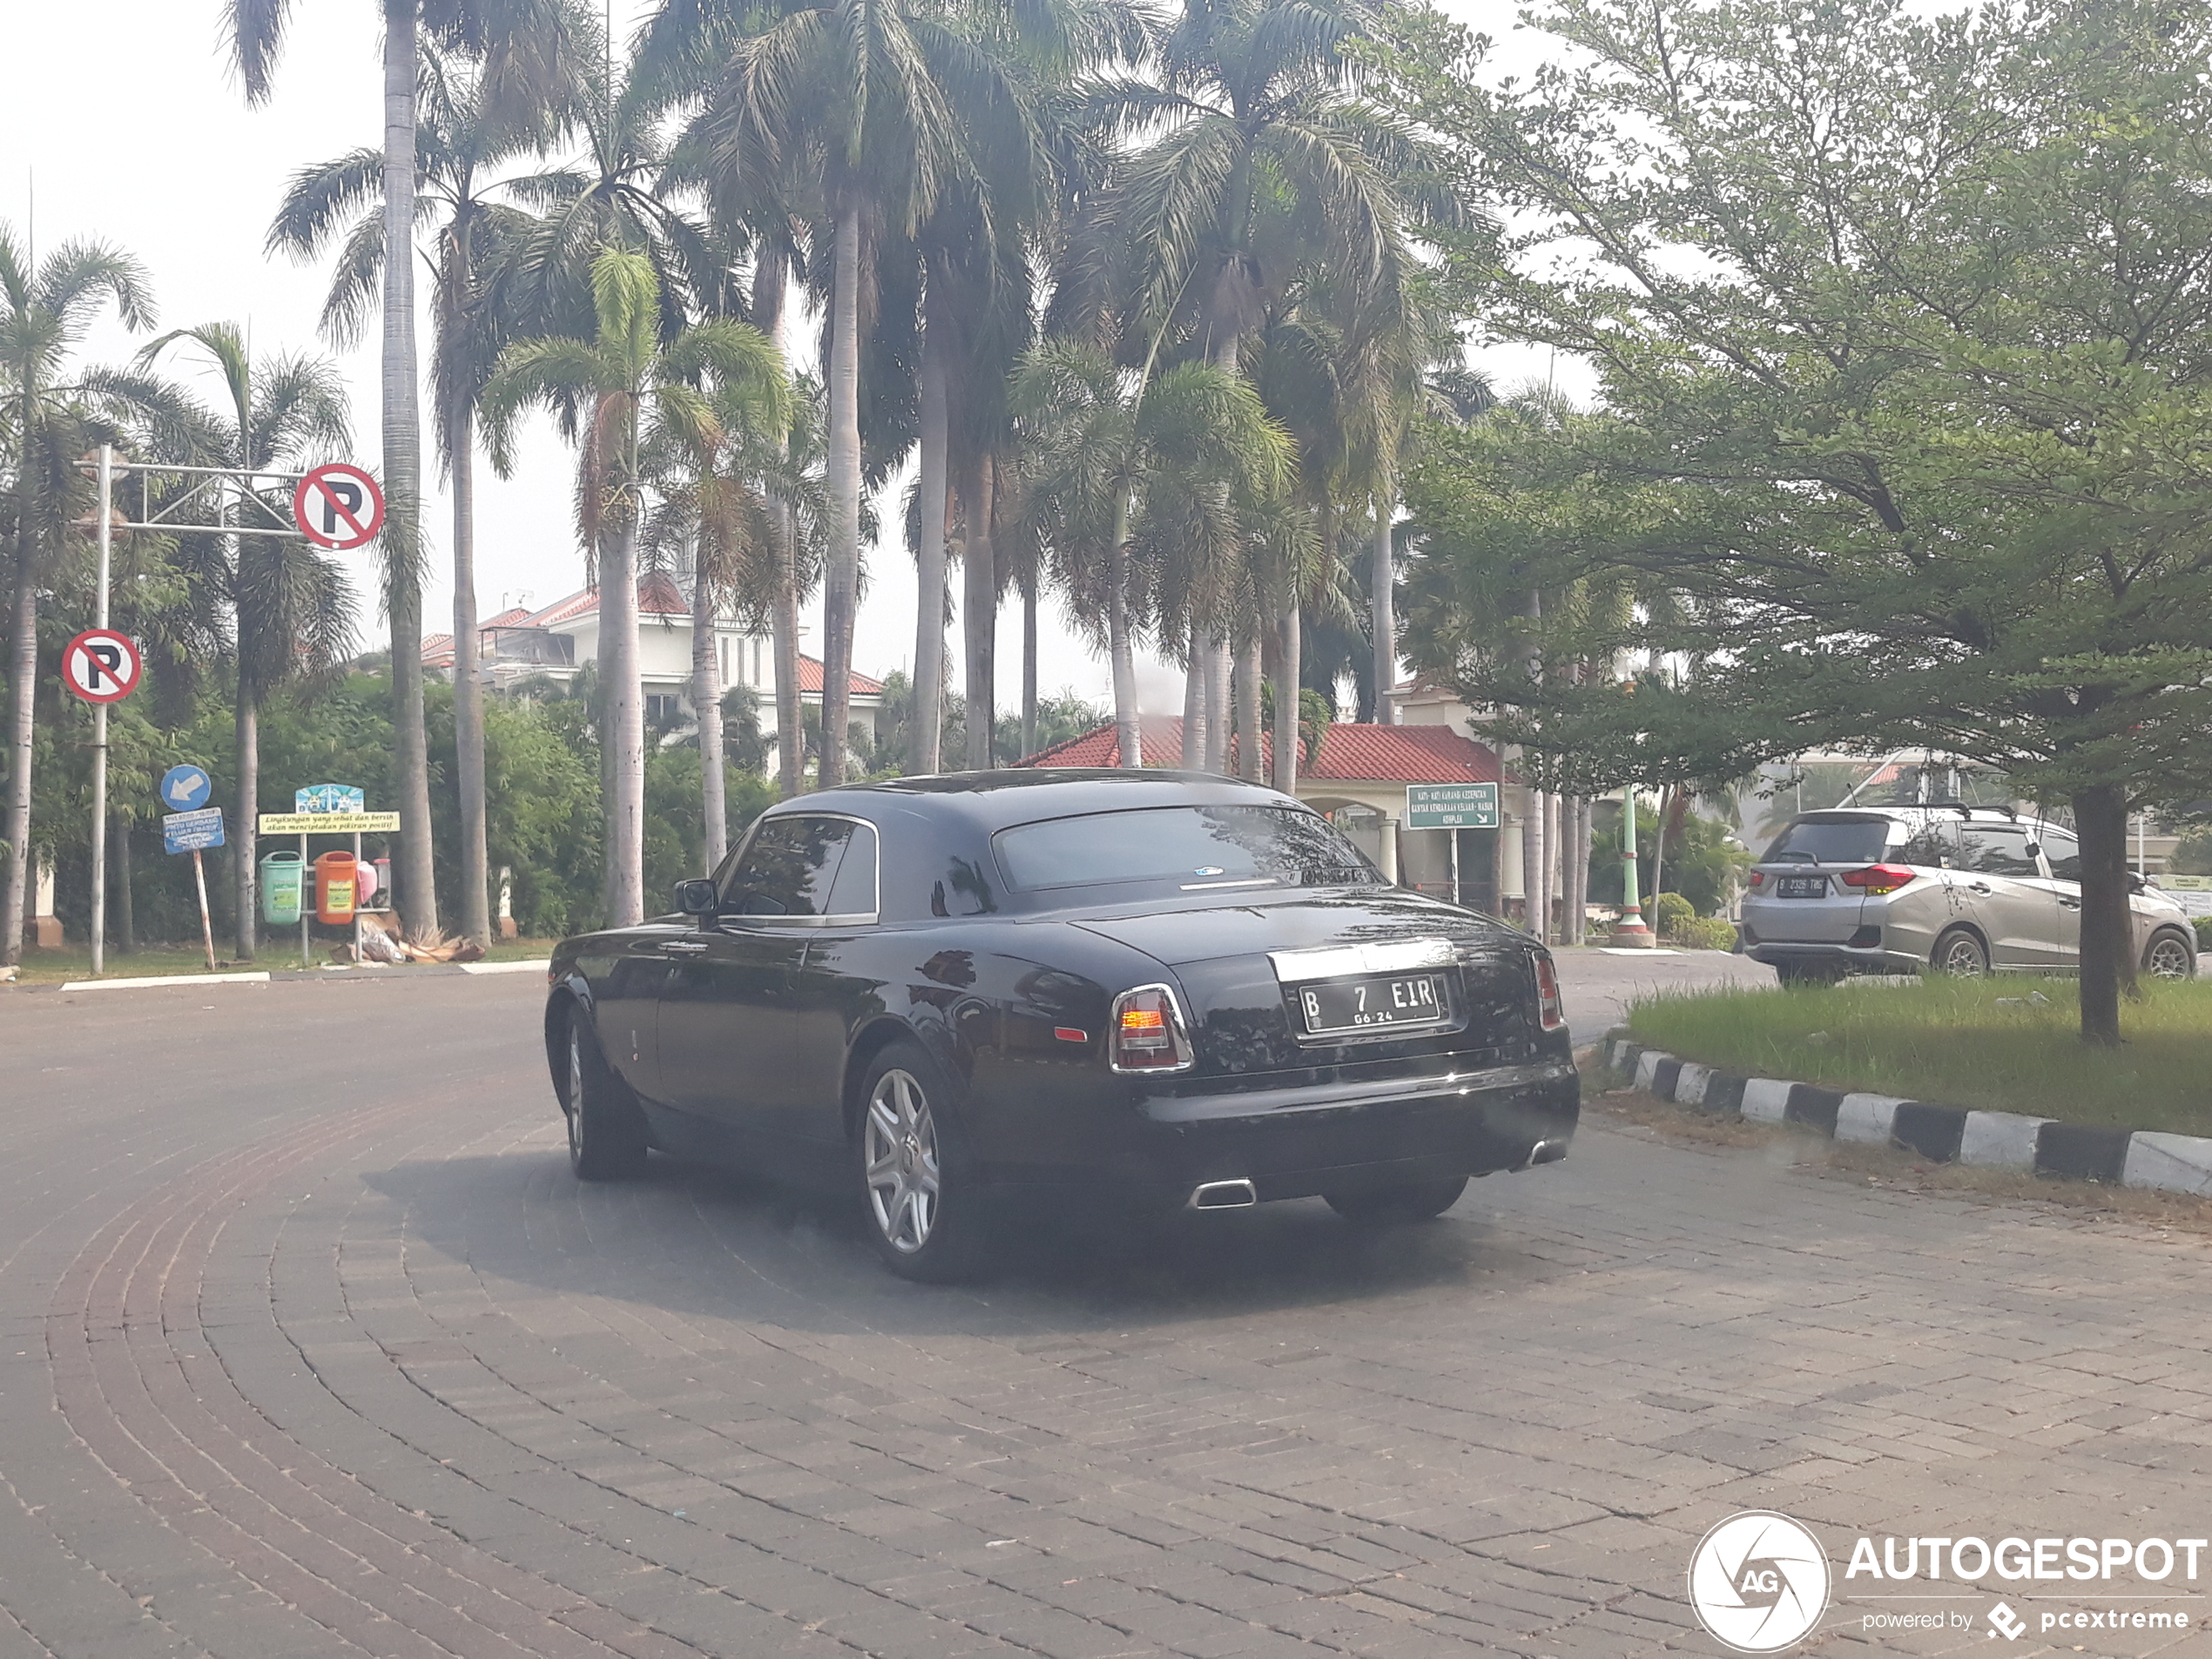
1360 1005
1801 886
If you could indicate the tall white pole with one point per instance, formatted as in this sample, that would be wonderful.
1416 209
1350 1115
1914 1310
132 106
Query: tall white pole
105 529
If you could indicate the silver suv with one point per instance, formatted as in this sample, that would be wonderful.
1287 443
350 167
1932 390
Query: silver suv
1962 890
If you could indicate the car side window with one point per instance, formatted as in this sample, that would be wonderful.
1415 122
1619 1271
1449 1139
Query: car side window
1935 846
2063 852
1996 849
789 868
853 895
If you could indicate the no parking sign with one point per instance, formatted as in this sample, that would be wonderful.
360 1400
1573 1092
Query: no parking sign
101 665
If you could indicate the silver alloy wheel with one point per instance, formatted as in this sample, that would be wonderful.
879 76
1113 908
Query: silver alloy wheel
899 1145
2168 958
575 1101
1962 957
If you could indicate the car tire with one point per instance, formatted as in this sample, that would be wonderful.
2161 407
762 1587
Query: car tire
606 1128
1959 954
1795 975
2168 956
1400 1201
927 1215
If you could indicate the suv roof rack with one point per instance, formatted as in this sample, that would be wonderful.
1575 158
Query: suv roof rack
1962 807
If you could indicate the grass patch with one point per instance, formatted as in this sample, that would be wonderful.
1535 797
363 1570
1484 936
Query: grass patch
277 956
1980 1043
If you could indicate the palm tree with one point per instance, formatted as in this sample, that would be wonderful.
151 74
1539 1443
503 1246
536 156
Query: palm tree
608 391
524 45
460 145
49 305
292 614
1122 479
1267 167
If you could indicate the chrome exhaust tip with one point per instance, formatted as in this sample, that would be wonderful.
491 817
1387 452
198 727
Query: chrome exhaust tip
1224 1194
1545 1152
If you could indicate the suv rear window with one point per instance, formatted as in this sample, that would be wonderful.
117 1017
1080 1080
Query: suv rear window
1830 840
1193 846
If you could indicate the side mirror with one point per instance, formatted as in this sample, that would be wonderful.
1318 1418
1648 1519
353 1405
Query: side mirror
2135 883
695 897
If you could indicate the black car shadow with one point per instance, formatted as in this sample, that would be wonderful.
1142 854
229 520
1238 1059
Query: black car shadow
696 1240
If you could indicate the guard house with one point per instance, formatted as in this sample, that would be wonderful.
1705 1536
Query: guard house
1359 778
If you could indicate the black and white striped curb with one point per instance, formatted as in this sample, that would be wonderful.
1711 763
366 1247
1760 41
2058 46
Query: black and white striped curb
1940 1134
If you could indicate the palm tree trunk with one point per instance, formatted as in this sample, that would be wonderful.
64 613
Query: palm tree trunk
626 722
1532 864
791 714
979 615
402 537
927 742
127 936
840 579
1029 663
1385 618
25 677
1219 669
771 274
246 733
1554 866
467 688
1119 648
1249 752
1194 708
1289 645
706 707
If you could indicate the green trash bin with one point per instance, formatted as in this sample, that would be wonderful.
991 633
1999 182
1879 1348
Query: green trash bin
281 879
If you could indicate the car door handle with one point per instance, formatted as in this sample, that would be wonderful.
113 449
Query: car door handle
1981 887
2070 904
685 946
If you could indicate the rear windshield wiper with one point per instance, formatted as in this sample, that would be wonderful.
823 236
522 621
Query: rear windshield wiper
1795 852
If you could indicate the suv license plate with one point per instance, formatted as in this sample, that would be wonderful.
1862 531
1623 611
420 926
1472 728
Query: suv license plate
1362 1004
1801 886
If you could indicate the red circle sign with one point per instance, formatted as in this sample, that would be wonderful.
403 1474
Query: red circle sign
338 507
101 665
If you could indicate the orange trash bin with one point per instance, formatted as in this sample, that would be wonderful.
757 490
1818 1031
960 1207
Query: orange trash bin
337 884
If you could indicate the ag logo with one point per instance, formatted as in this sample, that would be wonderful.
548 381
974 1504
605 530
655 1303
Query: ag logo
1759 1582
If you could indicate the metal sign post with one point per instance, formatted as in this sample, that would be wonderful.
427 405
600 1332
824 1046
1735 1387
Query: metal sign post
192 830
99 722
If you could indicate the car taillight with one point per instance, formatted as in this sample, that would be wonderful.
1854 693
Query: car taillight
1878 878
1549 1015
1759 878
1147 1034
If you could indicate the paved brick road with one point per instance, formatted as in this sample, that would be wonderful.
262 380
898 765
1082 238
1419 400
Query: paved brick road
309 1345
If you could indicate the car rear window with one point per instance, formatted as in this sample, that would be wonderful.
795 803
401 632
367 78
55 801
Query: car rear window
1830 840
1196 847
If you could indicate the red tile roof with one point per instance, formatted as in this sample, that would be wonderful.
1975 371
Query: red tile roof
810 679
437 650
1350 753
513 617
657 596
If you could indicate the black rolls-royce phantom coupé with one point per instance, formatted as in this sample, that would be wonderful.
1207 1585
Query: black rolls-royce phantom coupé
1158 988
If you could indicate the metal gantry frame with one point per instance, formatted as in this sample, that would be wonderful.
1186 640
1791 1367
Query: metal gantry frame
224 488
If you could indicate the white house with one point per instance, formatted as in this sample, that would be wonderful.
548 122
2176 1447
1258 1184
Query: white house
519 644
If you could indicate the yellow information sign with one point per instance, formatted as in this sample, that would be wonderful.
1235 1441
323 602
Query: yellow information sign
329 823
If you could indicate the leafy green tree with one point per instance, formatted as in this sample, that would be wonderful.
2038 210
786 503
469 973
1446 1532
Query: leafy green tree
1905 327
610 390
44 313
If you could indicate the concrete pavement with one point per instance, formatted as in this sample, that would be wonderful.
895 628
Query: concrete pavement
309 1344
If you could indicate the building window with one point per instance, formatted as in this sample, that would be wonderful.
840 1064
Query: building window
663 709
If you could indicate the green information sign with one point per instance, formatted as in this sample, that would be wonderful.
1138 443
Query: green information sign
1452 806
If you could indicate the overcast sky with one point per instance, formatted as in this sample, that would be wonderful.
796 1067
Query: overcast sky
141 137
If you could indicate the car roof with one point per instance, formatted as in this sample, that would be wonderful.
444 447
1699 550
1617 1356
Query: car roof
988 801
1915 814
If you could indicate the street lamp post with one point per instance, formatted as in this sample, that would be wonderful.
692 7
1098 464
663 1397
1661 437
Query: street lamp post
1631 930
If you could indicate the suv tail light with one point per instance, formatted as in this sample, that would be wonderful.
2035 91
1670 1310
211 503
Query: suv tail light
1148 1033
1878 878
1759 878
1550 1014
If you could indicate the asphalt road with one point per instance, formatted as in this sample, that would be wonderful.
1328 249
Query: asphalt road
310 1345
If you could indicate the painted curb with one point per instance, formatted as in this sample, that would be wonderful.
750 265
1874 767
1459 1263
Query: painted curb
356 973
2143 1158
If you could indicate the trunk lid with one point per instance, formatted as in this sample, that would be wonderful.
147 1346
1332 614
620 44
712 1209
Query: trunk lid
1240 967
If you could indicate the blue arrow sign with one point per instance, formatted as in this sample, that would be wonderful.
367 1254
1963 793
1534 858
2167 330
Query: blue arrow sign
185 789
192 831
